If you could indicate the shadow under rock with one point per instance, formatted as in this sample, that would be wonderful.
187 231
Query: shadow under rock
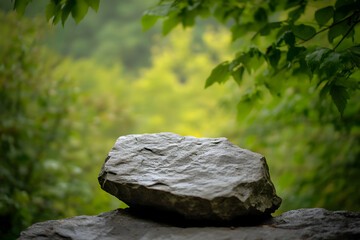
177 220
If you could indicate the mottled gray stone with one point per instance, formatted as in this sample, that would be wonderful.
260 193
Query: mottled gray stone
123 224
199 178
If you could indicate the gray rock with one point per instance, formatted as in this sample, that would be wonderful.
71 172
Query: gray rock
123 224
199 178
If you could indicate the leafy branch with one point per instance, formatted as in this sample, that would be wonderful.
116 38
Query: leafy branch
347 33
331 26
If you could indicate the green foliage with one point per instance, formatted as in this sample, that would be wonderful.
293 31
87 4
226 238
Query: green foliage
296 64
35 101
248 17
58 120
57 10
302 70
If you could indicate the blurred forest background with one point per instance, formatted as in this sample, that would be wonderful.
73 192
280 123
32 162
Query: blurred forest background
67 93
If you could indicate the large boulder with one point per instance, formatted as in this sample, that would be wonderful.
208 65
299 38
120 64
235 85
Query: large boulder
123 224
198 178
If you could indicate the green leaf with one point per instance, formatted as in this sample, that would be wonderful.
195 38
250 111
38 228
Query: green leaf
170 23
57 18
204 12
161 10
325 90
244 107
273 56
343 3
148 21
260 15
66 11
313 59
339 95
344 8
323 15
288 37
251 60
268 27
248 101
94 4
303 31
239 30
292 3
351 83
296 13
330 63
51 10
188 18
237 74
219 74
352 55
79 10
337 30
224 11
20 6
294 52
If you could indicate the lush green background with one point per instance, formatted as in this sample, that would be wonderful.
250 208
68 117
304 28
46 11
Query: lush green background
68 92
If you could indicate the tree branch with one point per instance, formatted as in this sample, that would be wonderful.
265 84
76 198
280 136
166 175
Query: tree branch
327 28
346 34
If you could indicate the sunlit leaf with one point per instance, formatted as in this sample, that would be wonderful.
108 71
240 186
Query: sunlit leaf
148 21
94 4
169 24
79 10
51 9
20 6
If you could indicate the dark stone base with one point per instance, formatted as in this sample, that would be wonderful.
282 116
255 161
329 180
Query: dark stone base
315 223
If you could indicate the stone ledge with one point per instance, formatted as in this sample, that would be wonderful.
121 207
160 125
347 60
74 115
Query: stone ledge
314 223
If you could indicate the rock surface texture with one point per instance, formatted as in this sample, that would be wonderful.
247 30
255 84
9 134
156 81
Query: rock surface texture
123 224
198 178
